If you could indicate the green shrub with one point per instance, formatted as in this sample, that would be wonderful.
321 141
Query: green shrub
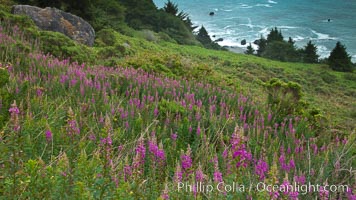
284 98
327 77
165 37
350 76
171 107
62 46
105 37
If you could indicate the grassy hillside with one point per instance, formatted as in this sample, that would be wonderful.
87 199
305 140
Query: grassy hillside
332 92
136 116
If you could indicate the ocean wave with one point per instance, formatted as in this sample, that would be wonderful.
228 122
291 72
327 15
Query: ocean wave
264 5
287 27
273 2
298 38
228 26
265 31
230 18
322 36
323 51
227 10
252 26
229 42
242 5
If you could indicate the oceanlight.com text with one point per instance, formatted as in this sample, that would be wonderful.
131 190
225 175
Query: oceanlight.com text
234 187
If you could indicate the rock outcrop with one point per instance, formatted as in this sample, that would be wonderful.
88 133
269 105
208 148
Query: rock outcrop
52 19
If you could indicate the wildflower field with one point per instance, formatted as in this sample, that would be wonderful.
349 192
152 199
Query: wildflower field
77 131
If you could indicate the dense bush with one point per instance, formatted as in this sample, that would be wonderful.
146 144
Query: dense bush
285 98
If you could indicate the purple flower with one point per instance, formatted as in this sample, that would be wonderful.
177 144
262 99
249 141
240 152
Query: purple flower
156 151
178 174
199 175
48 135
323 194
274 195
269 117
155 112
218 176
186 162
293 195
139 159
165 195
14 110
198 130
174 136
127 172
92 137
350 195
39 92
261 168
73 128
300 179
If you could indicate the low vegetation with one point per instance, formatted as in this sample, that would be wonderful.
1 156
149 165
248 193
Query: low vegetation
135 117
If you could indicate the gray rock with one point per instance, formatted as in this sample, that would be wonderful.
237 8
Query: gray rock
243 42
257 42
53 19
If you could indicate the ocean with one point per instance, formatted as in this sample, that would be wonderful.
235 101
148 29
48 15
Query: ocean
324 22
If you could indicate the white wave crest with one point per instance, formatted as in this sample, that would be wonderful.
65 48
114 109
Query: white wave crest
273 2
264 5
322 36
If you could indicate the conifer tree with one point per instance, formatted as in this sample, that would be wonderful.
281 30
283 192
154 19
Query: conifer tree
291 41
339 59
203 36
171 8
310 53
250 50
274 36
262 44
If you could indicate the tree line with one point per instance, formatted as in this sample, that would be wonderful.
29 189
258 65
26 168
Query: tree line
276 48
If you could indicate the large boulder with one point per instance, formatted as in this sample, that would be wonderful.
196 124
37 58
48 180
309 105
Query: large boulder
53 19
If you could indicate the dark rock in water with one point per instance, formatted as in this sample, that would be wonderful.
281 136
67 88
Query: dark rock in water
257 42
213 36
243 42
211 13
219 40
52 19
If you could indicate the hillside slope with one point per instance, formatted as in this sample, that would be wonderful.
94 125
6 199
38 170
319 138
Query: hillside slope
134 118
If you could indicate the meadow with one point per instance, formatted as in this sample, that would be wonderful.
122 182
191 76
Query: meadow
139 124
